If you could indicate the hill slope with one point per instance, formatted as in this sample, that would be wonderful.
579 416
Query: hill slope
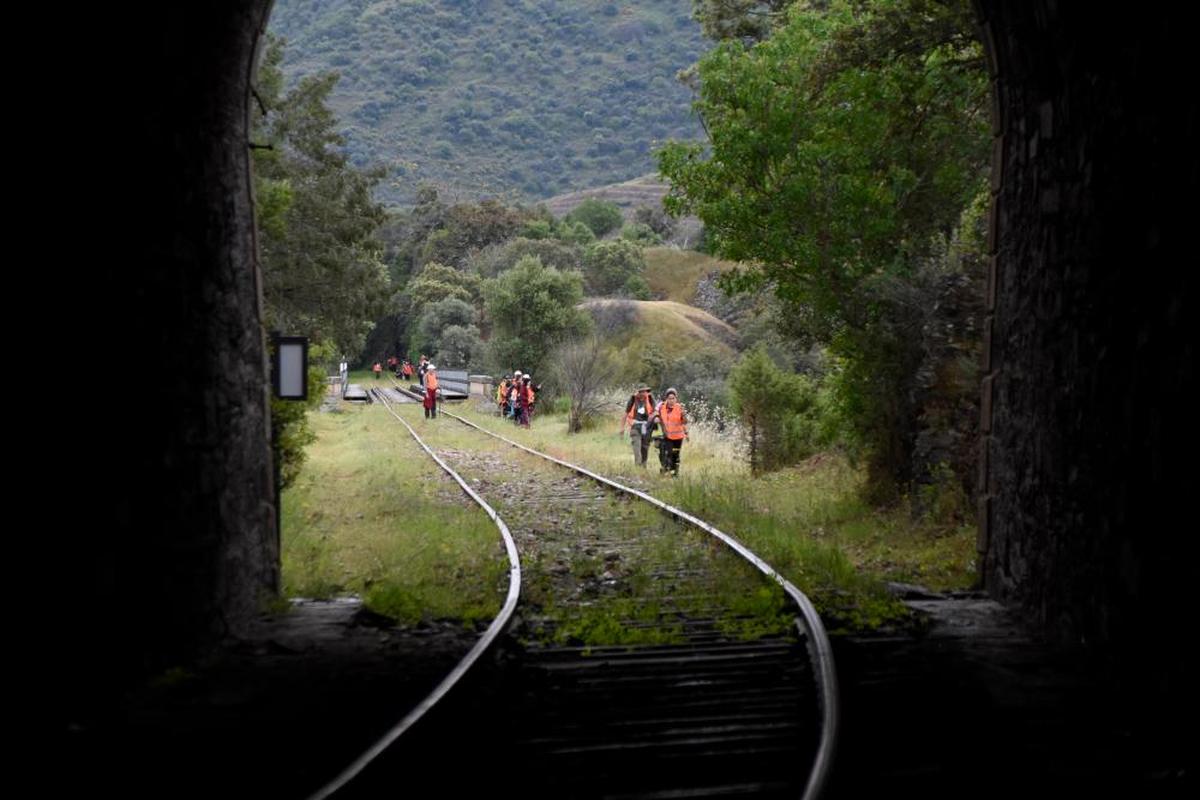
673 329
674 274
488 97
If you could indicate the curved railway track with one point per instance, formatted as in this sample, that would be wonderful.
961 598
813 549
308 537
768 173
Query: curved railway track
695 693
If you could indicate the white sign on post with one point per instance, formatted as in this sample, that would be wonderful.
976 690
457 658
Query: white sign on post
291 367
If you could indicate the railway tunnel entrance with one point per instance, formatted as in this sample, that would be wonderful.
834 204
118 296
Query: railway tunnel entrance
1089 358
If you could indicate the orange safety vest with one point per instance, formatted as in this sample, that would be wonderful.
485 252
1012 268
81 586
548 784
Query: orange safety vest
531 395
633 410
431 380
502 392
673 421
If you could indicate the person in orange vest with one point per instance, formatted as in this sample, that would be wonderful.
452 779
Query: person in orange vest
407 369
638 413
431 388
671 416
513 400
502 393
525 397
377 369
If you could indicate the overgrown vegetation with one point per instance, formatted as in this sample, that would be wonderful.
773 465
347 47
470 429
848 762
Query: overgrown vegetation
368 514
323 276
846 140
809 521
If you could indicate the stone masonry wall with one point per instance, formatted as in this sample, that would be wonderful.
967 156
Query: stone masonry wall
1089 349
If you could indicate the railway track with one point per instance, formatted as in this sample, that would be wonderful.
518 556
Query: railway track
651 656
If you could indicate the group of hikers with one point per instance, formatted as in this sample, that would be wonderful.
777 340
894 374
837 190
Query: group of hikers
642 415
401 369
426 374
516 397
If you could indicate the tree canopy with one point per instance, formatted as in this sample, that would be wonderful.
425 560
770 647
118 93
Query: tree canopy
323 275
532 308
842 147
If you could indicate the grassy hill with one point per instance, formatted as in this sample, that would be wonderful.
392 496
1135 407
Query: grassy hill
529 98
673 273
673 329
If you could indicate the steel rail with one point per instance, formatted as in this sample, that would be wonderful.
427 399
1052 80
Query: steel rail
817 641
481 646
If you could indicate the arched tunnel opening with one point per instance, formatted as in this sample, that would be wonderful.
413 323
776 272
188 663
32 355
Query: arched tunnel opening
1089 359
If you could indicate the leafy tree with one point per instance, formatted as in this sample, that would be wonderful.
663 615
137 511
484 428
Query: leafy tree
493 260
640 233
834 168
322 268
608 266
406 233
439 316
531 308
656 219
437 282
538 229
600 216
467 227
635 287
459 346
444 313
575 232
775 407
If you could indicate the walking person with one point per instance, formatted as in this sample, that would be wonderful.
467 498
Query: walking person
524 402
377 369
671 416
502 394
534 388
511 399
638 413
422 367
431 389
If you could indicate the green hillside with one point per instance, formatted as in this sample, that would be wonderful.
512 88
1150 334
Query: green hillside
530 98
673 329
673 274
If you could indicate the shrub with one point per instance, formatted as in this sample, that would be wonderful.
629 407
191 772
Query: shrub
600 216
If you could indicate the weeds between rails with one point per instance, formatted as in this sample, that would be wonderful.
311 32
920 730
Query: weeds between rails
598 597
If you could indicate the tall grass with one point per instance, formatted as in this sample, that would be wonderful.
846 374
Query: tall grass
808 521
372 515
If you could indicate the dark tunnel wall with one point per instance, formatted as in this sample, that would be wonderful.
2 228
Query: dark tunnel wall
181 545
1091 347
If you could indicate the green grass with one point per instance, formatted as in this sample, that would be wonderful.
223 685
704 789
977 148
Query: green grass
371 514
671 569
673 274
808 521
